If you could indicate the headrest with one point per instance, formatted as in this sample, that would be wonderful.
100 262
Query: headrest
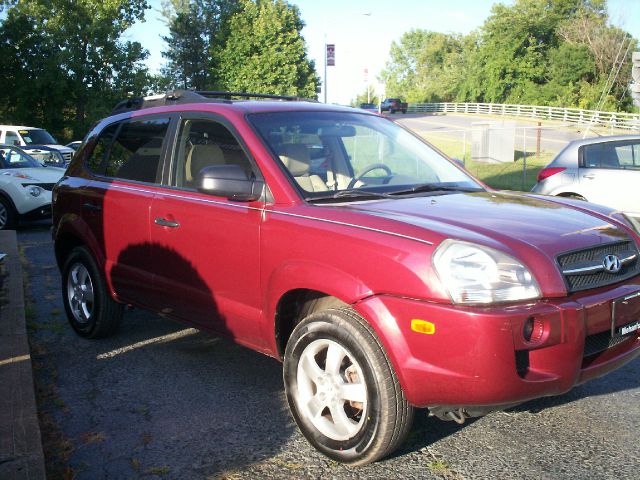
296 158
205 156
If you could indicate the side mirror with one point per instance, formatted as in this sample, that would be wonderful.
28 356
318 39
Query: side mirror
229 181
459 162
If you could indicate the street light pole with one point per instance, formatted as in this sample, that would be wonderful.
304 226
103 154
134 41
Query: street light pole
325 68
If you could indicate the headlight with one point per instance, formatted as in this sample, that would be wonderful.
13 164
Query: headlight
634 222
473 274
34 191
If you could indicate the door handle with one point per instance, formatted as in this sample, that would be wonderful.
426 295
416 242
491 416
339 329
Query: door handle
589 176
91 207
163 222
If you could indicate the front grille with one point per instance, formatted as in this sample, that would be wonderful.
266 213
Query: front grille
600 342
593 258
67 156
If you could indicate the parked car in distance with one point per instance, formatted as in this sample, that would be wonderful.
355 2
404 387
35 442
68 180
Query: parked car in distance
378 271
369 107
604 170
47 156
393 105
75 145
22 136
25 187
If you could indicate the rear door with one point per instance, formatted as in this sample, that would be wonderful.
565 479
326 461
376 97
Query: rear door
609 174
115 203
206 249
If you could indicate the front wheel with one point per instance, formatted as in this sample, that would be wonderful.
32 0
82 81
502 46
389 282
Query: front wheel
342 389
7 215
90 309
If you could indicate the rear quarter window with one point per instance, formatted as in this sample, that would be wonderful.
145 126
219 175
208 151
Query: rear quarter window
130 150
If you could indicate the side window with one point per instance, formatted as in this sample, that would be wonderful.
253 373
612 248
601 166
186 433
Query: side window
135 152
204 143
101 149
629 155
12 138
601 155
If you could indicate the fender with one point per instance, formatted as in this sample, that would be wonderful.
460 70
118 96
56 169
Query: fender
72 225
303 274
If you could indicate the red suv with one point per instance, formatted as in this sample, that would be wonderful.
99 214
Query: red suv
381 273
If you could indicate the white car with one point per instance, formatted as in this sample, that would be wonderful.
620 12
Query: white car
25 187
604 170
33 137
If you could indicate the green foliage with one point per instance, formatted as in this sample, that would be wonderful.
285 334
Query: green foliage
64 63
265 51
198 30
421 66
366 97
545 52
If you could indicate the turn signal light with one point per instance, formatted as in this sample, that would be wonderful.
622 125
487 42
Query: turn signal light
422 326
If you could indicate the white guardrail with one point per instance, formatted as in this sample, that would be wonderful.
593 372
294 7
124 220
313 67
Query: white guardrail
626 121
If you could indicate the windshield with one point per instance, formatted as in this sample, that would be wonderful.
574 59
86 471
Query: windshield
13 158
37 136
337 155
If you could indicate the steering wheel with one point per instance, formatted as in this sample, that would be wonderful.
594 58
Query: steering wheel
370 168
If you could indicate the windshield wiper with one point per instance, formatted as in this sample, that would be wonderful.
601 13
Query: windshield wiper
350 195
434 187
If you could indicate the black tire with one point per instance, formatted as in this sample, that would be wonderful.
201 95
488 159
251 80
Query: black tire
8 215
91 316
376 426
404 111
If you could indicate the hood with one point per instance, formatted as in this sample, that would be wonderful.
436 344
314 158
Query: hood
34 175
507 221
59 148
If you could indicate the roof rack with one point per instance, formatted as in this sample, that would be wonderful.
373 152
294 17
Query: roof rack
178 97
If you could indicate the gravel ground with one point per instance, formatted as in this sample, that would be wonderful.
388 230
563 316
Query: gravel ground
159 400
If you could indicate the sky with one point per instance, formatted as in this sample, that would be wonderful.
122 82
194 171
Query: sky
363 30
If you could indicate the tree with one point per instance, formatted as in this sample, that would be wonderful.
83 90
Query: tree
368 96
198 30
265 51
422 65
65 63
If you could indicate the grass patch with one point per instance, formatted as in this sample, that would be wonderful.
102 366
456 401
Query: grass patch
503 176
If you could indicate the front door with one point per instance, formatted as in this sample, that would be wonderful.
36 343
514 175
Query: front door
610 174
206 249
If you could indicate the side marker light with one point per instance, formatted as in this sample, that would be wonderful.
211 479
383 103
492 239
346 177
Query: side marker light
422 326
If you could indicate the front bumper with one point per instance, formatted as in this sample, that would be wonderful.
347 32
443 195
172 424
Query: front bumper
40 213
479 356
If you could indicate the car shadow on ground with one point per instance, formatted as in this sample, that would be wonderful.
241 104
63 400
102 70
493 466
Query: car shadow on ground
157 397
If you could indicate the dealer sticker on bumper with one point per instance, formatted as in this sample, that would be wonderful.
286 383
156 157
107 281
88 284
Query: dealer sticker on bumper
625 315
632 327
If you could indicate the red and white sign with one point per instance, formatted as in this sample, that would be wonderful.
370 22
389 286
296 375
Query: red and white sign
331 55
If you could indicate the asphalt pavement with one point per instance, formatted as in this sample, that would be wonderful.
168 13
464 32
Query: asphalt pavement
160 400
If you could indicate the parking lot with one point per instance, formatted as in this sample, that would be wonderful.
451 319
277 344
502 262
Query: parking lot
160 400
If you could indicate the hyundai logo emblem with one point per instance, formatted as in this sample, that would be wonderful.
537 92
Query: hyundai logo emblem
611 263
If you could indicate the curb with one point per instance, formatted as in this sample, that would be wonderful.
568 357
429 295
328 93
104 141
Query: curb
21 455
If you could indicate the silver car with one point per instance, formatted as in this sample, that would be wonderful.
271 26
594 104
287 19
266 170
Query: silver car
604 170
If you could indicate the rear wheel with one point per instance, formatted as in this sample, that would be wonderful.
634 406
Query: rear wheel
90 309
342 390
7 215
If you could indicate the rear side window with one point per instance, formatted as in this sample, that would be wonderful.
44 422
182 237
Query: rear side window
623 155
95 163
130 150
